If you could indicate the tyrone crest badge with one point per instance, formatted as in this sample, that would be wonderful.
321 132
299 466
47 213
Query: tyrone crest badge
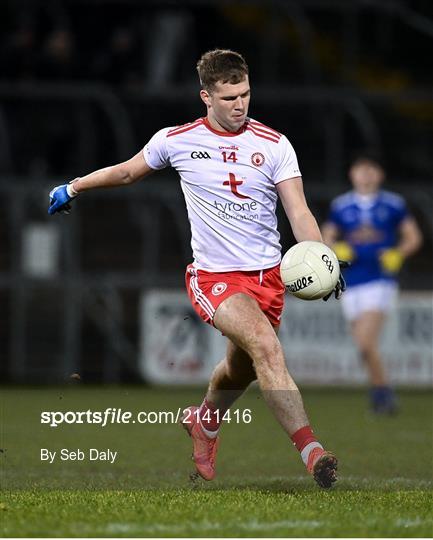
257 159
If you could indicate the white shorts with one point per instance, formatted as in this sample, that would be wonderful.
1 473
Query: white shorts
377 295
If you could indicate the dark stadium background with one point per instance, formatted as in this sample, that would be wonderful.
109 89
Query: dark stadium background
84 84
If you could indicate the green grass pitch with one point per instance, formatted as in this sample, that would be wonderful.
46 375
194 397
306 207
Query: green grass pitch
261 490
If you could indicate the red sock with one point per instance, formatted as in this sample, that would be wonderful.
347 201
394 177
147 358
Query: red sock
305 442
210 416
302 437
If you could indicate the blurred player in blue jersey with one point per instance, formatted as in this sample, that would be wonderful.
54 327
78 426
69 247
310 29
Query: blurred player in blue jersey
373 229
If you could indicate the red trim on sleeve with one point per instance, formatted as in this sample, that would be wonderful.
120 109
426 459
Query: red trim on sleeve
269 137
186 127
261 127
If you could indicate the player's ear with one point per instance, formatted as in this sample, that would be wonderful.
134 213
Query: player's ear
205 96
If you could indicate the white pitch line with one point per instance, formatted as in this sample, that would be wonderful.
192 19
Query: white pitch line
254 525
287 524
391 481
417 482
405 522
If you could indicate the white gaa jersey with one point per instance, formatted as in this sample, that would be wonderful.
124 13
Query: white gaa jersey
229 183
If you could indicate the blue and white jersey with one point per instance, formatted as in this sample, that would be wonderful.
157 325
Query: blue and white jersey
369 223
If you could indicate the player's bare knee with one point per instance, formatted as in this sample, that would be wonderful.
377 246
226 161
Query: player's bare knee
266 350
244 374
239 365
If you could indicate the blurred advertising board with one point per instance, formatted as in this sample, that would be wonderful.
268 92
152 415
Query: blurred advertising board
176 347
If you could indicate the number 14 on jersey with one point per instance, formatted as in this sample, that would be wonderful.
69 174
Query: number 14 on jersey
229 157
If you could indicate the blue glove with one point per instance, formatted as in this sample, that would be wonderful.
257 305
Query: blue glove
59 200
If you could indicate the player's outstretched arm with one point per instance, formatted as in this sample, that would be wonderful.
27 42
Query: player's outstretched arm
122 174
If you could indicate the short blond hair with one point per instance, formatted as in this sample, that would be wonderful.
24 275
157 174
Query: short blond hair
221 65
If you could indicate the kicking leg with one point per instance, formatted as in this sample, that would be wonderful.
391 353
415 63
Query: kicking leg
229 380
231 377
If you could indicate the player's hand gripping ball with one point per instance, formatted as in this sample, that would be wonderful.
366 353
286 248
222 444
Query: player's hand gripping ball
311 270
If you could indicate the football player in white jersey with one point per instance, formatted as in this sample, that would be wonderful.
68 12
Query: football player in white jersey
232 171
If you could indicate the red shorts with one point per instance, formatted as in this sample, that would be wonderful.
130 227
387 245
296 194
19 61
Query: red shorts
207 290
